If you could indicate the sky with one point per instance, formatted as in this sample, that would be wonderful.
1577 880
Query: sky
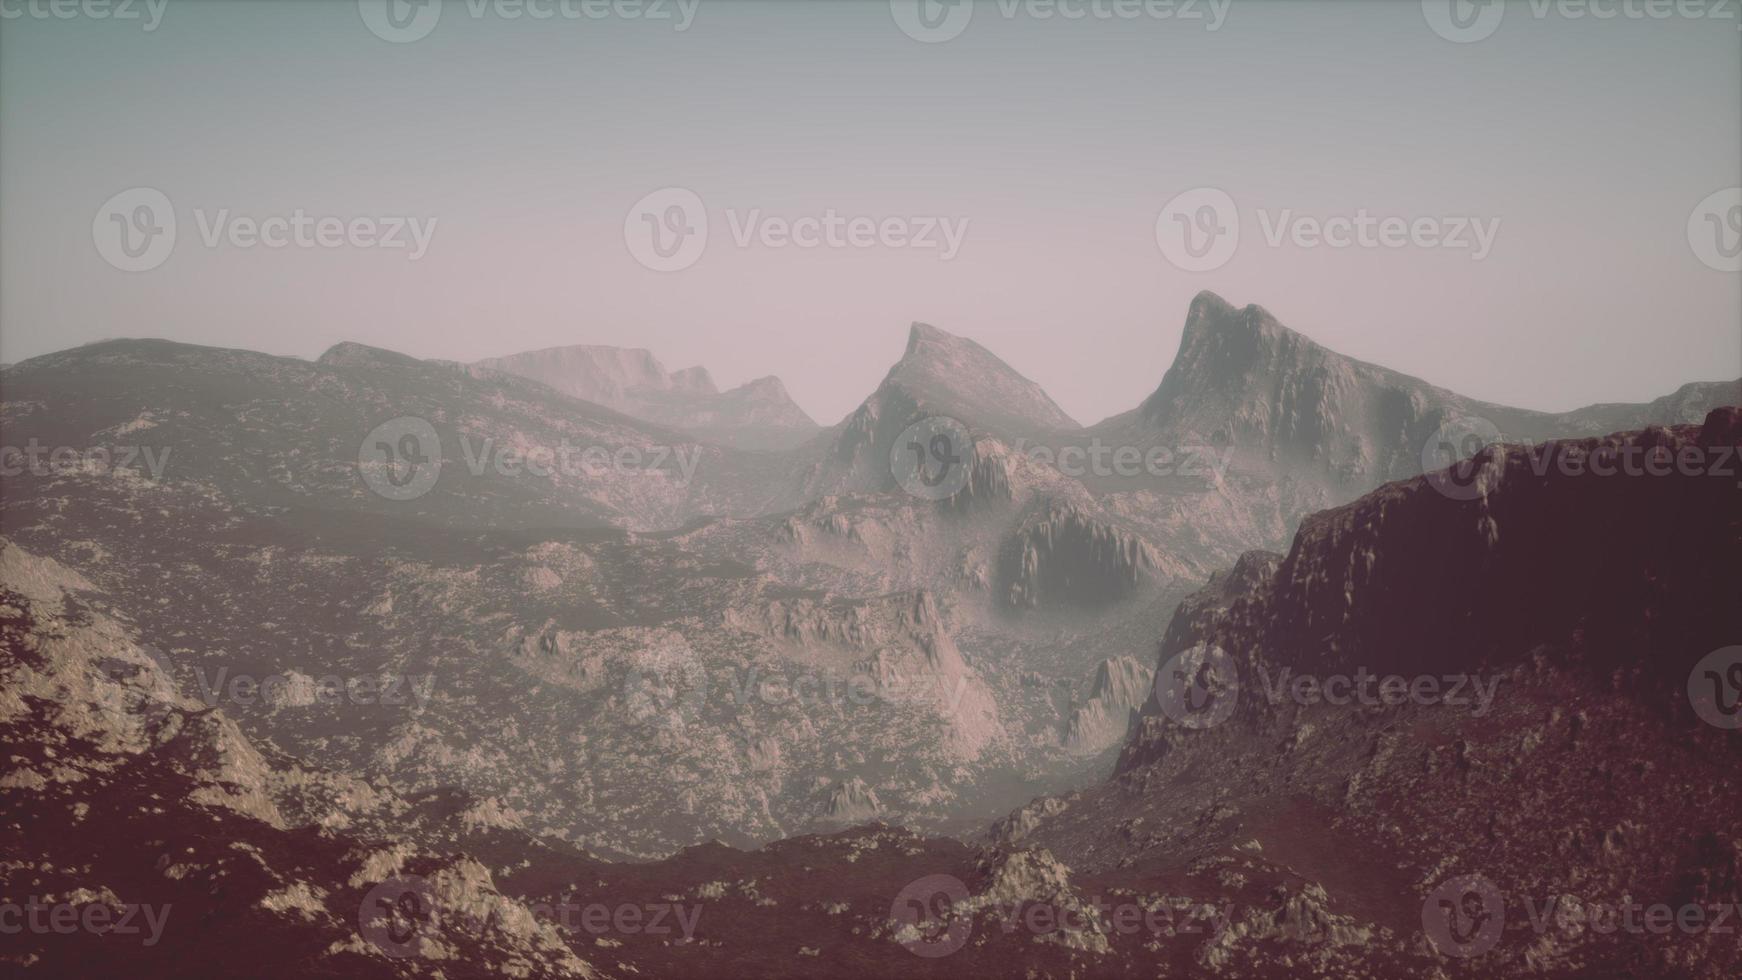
1543 192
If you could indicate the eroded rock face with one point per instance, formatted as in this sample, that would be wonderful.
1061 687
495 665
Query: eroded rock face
1065 555
902 653
1121 686
1559 615
142 805
1390 582
852 802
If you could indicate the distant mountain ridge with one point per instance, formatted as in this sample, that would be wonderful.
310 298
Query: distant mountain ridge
1243 379
497 573
756 415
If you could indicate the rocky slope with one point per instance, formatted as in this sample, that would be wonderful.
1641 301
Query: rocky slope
1578 783
1549 753
939 374
576 628
146 835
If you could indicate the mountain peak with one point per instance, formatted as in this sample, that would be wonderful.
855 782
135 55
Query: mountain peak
956 376
1215 325
1209 303
767 386
1224 351
351 354
924 334
694 379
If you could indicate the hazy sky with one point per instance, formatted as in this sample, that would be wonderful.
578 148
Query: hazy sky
1591 142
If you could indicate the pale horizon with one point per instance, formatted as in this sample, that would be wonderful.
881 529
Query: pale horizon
1052 145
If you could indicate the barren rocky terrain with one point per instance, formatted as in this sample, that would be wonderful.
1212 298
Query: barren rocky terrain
536 647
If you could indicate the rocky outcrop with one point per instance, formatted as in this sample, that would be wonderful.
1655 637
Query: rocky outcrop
939 375
956 376
1120 687
1539 629
1068 555
851 801
1632 571
151 813
899 651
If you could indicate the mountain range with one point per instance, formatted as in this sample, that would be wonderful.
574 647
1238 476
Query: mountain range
628 615
758 414
1284 838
